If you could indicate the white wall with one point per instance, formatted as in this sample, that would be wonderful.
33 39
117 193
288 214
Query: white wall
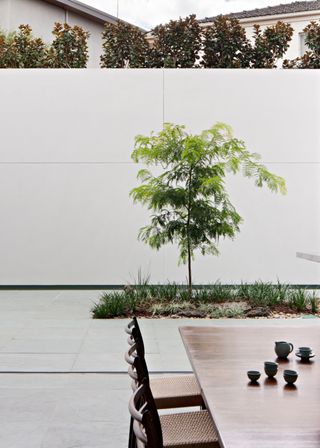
40 15
65 172
4 14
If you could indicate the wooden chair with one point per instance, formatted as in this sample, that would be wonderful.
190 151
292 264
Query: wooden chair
181 430
168 392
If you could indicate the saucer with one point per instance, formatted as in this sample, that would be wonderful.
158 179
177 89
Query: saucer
311 355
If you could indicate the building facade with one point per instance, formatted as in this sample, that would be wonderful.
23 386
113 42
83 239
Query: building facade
42 14
297 14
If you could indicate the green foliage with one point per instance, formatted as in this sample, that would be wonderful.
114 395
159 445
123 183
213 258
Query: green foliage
313 37
69 48
184 294
140 290
216 293
21 50
226 44
215 312
270 44
180 44
115 304
170 291
203 310
176 44
311 59
263 294
298 299
167 309
314 303
110 305
214 301
124 45
189 202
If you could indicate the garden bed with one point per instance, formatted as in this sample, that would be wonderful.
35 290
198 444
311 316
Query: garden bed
258 300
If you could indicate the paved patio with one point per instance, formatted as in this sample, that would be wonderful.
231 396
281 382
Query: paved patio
63 381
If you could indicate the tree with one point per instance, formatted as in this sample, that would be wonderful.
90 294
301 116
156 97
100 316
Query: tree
189 200
270 45
311 59
124 45
69 48
176 44
225 44
21 50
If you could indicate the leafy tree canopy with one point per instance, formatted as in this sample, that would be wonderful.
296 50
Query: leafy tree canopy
226 44
311 59
69 48
177 43
21 50
189 201
124 45
270 44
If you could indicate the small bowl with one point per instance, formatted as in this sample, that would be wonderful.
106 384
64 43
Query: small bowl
290 376
305 351
270 368
253 375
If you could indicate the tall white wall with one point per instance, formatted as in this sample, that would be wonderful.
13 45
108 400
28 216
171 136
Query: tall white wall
65 172
4 14
41 16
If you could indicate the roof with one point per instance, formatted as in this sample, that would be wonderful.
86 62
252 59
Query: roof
85 10
289 8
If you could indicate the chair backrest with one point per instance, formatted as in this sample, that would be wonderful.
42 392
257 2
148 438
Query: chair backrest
134 332
138 372
137 369
146 422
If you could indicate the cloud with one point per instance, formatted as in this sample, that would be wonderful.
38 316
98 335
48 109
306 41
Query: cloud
149 13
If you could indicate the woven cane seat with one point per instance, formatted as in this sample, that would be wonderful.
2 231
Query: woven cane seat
188 430
176 391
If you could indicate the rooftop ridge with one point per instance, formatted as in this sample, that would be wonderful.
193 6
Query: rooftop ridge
289 8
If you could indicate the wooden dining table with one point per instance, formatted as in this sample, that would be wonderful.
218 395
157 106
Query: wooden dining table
270 413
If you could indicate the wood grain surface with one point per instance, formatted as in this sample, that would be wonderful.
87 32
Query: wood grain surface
269 414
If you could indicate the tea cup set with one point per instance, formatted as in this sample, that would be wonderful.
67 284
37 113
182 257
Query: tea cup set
305 353
282 349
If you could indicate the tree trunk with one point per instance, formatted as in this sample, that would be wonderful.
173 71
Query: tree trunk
188 237
189 272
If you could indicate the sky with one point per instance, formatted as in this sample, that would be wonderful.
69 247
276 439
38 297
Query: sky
149 13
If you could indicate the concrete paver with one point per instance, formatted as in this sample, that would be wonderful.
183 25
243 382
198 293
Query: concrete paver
69 394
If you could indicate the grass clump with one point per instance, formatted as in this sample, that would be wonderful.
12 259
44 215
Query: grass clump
216 293
213 301
114 304
314 303
233 310
298 299
168 309
263 294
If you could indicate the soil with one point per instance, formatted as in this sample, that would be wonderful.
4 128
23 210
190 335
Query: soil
278 312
